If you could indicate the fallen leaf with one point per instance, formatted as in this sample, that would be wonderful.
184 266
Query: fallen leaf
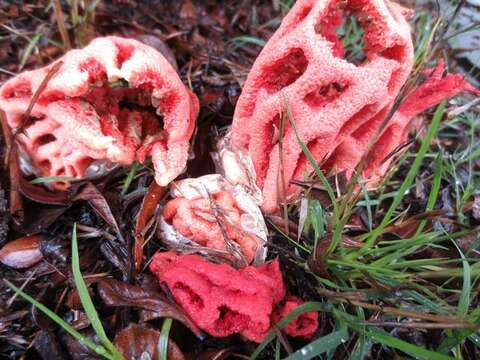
98 202
47 346
161 46
141 342
188 10
147 210
117 293
22 252
3 216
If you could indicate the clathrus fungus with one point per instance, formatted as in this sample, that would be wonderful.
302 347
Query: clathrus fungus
337 103
115 100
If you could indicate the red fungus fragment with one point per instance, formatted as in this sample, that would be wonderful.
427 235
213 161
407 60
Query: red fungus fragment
220 299
304 325
432 91
116 99
209 212
329 97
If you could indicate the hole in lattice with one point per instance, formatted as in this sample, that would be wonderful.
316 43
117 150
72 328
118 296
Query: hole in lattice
381 149
325 94
285 71
46 139
32 120
316 148
189 295
45 165
295 19
341 25
60 172
272 136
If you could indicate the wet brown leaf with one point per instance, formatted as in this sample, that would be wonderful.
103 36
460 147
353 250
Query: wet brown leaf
116 293
42 195
3 216
147 210
140 342
408 227
11 163
39 217
97 201
161 46
77 350
22 252
316 261
47 346
188 10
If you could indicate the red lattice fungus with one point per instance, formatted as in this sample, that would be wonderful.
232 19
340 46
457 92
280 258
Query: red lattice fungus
219 299
304 325
330 98
117 99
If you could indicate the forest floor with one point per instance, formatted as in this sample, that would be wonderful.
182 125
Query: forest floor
402 281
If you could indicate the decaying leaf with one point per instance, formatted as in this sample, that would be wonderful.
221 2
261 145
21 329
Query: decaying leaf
116 293
22 252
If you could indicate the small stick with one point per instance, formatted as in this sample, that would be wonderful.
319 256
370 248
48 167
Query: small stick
37 94
61 24
421 325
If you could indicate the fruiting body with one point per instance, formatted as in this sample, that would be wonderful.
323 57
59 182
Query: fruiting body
219 299
330 99
224 301
116 99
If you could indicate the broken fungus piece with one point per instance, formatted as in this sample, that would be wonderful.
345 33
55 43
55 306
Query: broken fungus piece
436 87
220 299
330 98
116 99
303 325
208 213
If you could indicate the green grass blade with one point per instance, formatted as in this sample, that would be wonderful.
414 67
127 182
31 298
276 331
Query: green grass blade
464 301
277 349
308 154
98 349
49 179
130 177
87 301
163 339
241 40
435 190
414 350
29 50
320 345
382 337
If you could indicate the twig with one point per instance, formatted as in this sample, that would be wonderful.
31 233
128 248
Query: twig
61 24
231 247
420 325
37 94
